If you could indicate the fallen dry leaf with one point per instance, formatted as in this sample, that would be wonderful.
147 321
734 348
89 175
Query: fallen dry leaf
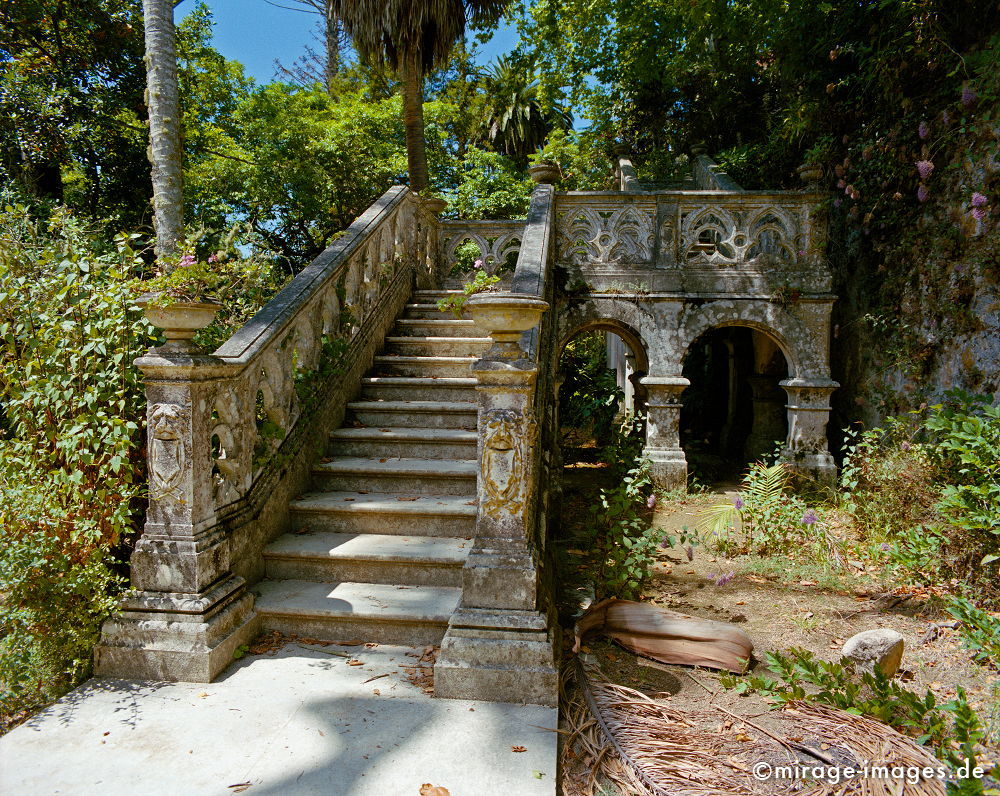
430 790
354 662
202 695
519 749
239 787
406 498
807 583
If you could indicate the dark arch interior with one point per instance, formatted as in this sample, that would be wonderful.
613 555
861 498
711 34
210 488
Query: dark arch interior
734 410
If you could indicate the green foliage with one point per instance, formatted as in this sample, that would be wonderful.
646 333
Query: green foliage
71 467
924 492
71 105
624 544
980 631
763 518
589 397
952 729
480 283
490 186
965 437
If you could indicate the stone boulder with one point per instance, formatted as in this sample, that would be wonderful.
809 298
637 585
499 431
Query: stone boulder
882 648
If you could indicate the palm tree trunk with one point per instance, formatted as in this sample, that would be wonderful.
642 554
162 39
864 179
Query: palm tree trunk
413 121
164 124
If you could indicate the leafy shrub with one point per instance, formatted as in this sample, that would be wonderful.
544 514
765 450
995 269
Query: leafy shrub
71 466
623 542
589 398
924 491
980 631
952 729
490 186
768 518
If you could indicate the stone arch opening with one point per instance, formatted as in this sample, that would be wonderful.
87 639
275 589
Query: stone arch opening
734 410
599 367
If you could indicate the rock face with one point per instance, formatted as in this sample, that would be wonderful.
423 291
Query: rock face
882 648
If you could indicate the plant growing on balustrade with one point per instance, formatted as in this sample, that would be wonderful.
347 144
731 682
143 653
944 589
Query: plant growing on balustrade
71 463
480 283
763 517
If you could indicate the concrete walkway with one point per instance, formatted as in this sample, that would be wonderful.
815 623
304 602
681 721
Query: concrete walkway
296 721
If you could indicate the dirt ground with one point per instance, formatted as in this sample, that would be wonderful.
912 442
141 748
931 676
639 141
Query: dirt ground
781 610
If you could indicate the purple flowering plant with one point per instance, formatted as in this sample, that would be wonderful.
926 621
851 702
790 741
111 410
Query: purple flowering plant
184 278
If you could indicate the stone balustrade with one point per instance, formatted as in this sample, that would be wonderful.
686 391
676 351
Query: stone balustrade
498 241
500 643
231 437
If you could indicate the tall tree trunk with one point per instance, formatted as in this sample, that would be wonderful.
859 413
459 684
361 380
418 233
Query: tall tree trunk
164 124
413 121
332 41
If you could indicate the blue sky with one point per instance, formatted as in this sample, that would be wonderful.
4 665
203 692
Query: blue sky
255 33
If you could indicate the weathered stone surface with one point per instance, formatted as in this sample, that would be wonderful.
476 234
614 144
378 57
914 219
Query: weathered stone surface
882 648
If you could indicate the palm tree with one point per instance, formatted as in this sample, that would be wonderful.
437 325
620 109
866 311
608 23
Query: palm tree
164 123
412 37
518 124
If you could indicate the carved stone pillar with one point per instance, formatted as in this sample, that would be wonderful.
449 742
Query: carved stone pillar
187 613
663 440
499 645
768 416
808 414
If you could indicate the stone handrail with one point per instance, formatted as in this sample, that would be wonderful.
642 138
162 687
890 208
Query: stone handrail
710 176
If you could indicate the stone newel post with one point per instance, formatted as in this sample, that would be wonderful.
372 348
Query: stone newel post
498 646
663 441
808 415
187 612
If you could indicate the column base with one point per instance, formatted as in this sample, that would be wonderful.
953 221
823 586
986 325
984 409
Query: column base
498 656
819 467
177 637
667 467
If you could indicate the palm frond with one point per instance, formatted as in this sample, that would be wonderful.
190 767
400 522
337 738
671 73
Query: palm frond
717 519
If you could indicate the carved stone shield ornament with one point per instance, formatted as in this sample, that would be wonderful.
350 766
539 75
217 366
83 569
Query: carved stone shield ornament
167 459
507 440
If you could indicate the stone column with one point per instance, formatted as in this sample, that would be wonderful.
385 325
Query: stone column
663 440
186 613
768 416
499 646
808 414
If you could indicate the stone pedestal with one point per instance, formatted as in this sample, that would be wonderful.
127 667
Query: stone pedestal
187 612
768 417
668 464
499 645
806 449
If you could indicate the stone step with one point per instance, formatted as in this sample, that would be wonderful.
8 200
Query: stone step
367 558
370 611
438 326
409 476
433 366
425 345
385 513
418 414
432 296
434 312
411 388
405 443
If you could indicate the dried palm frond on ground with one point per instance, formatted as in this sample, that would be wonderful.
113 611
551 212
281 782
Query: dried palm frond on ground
667 636
869 742
647 748
644 747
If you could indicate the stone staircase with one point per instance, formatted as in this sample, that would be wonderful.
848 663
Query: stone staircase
376 551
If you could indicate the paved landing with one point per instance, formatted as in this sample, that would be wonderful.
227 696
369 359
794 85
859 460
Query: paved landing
296 721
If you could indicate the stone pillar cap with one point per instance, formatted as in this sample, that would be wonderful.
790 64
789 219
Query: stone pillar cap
664 381
829 384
